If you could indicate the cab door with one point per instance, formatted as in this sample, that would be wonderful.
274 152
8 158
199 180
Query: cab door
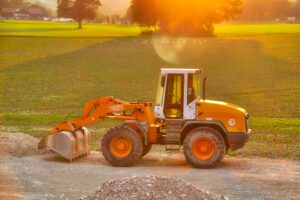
174 96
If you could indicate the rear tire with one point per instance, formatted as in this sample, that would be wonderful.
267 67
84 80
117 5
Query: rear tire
121 146
204 147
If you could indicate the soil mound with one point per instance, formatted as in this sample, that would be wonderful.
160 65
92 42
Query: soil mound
18 144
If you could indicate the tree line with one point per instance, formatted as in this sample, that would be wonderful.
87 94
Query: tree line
181 17
13 3
197 17
269 10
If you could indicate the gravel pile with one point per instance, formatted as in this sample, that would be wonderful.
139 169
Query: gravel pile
18 144
150 187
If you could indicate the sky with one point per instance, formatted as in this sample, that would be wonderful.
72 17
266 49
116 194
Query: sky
108 6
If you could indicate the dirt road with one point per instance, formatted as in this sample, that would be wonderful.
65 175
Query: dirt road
50 177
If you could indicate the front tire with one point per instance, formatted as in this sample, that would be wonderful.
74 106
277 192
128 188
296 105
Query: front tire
204 147
146 149
121 146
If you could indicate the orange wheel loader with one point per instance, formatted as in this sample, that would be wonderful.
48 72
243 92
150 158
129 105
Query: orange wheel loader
182 117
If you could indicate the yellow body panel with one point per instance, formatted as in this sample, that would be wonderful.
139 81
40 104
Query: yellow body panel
231 116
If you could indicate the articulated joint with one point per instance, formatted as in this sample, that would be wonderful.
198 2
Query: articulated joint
140 128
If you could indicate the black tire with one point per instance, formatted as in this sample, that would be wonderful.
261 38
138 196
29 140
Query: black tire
125 132
214 137
146 149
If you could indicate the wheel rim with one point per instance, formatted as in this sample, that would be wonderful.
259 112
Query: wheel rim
120 146
203 148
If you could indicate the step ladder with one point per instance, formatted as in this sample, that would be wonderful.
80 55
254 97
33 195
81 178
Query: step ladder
173 132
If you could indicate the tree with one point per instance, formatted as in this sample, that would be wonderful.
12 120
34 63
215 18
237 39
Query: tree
13 3
182 17
296 9
144 12
3 3
128 18
78 9
266 10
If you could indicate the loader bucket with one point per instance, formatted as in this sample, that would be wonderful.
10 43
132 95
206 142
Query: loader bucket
70 145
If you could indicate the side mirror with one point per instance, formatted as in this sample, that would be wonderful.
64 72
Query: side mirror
204 88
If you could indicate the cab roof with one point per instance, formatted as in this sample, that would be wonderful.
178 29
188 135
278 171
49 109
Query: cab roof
180 71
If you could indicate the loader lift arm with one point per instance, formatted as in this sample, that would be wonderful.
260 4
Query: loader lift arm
71 139
110 107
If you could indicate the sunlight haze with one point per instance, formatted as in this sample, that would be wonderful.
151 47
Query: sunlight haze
108 6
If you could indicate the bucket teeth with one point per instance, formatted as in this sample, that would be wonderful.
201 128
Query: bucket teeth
42 144
70 145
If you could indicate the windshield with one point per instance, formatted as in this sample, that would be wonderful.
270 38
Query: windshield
193 87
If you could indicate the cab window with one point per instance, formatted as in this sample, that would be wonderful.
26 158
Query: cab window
160 89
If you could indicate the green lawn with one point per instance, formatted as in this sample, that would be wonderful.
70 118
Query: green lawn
56 29
46 80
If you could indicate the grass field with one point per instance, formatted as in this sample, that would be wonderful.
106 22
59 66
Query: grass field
45 80
55 29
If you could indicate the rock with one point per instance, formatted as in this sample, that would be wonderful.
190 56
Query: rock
136 188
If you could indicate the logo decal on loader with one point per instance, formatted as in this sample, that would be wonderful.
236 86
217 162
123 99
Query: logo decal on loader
116 108
231 122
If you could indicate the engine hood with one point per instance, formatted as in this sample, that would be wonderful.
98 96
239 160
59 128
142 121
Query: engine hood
232 117
223 105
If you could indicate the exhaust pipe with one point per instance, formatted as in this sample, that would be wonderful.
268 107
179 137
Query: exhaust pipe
204 88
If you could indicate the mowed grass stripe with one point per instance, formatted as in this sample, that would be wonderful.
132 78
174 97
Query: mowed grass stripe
55 29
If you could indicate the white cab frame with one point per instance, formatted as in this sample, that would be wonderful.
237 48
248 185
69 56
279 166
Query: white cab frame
189 110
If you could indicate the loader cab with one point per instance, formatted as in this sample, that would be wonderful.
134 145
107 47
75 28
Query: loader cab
177 94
